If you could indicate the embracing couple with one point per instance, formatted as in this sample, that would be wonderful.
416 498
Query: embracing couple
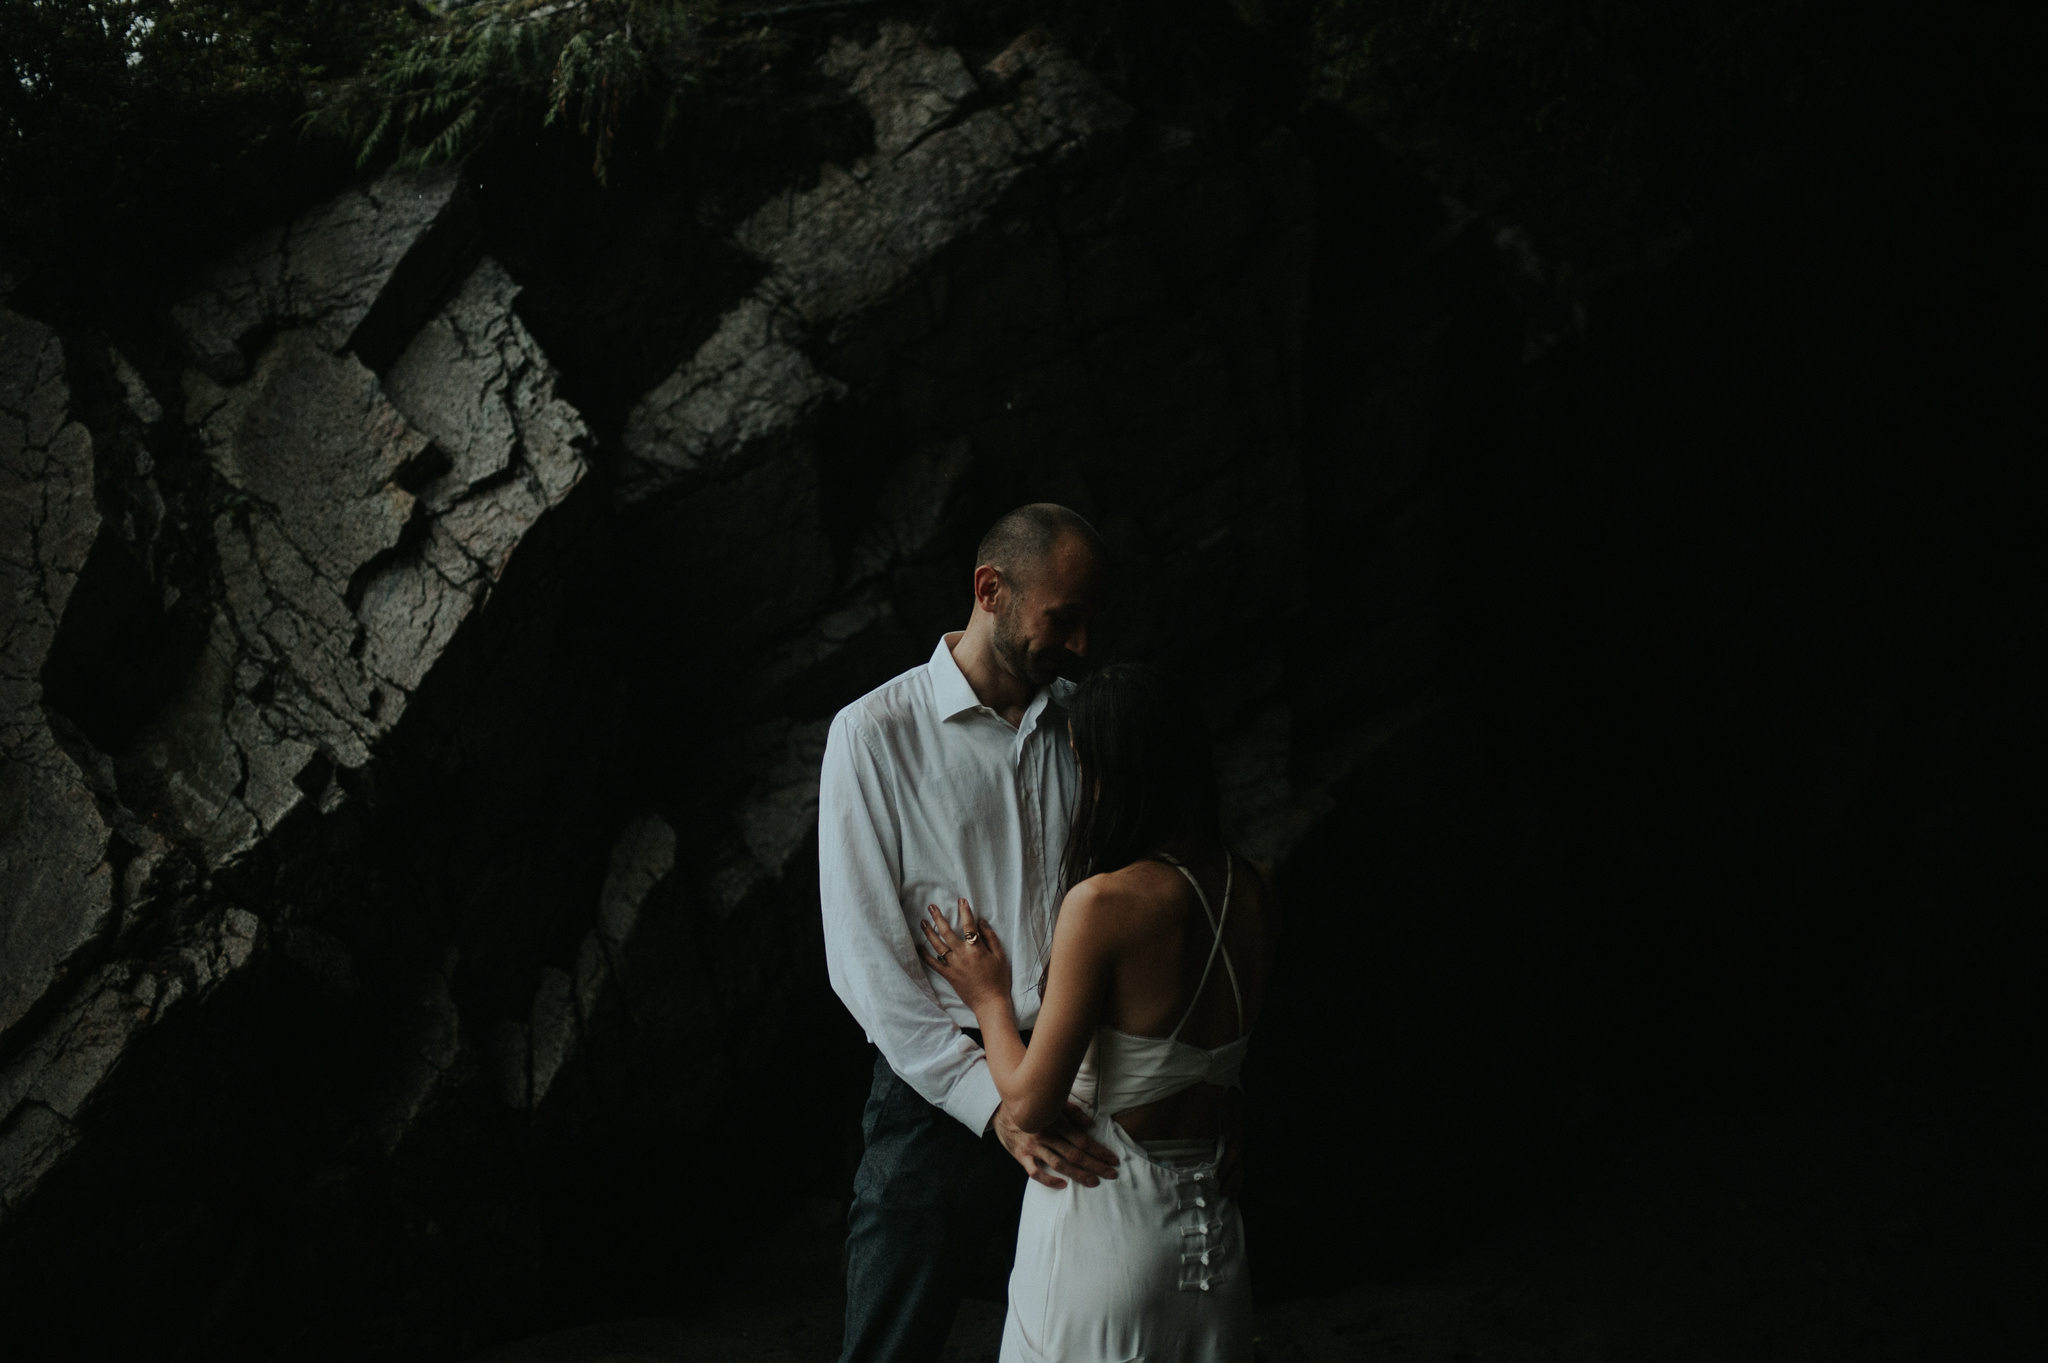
1029 906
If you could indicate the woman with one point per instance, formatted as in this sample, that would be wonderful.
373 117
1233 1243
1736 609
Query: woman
1158 970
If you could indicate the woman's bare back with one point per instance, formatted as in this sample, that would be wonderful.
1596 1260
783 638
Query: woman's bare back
1151 980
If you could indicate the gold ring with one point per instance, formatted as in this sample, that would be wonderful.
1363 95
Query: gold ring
970 938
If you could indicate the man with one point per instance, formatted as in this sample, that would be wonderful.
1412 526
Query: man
953 781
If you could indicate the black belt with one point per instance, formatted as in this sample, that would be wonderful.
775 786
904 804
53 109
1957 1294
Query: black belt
974 1034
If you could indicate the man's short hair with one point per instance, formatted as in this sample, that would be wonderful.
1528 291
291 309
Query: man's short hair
1019 544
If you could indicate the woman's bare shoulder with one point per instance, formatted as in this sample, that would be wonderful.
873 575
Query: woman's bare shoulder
1090 915
1130 899
1145 879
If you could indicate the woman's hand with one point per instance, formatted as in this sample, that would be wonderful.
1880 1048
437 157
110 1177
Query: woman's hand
971 959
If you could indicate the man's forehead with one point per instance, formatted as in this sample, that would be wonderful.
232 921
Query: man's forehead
1071 567
1056 591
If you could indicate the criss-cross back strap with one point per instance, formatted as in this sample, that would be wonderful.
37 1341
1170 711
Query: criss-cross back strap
1216 948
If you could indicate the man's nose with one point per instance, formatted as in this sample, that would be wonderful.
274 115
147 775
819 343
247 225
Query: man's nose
1077 643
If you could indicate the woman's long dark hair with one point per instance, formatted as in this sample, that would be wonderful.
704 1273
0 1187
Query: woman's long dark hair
1147 784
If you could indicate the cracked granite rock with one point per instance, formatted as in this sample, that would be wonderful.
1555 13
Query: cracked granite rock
59 809
777 813
373 518
430 1045
45 1088
317 449
56 884
528 1056
324 271
363 520
940 164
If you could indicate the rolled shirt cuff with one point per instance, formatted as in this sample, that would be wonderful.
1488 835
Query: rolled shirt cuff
973 1100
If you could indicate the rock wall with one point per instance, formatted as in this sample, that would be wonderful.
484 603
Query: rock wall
452 871
351 538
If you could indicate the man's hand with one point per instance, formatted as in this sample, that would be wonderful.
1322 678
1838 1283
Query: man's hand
1065 1147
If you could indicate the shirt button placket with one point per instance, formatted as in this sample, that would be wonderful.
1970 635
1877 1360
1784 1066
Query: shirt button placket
1032 844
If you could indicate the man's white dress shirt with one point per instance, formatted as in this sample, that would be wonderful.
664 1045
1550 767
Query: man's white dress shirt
928 796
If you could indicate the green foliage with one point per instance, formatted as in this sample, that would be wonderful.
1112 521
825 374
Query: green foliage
593 63
99 63
139 135
136 132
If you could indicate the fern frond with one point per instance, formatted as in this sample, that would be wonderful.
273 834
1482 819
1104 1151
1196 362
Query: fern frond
374 139
591 63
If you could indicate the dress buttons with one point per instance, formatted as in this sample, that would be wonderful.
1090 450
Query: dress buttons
1205 1258
1205 1284
1200 1177
1201 1202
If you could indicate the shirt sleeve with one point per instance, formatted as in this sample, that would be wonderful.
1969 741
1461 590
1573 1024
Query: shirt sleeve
870 951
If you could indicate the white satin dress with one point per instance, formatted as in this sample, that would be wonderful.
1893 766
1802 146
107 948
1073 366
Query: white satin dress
1147 1267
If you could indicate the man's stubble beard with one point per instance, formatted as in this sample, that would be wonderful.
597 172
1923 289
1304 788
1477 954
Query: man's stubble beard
1013 652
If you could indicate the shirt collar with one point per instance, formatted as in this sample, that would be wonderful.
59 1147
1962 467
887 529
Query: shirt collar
950 692
953 696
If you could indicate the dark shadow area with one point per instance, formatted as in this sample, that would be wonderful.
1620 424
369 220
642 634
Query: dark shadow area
1719 705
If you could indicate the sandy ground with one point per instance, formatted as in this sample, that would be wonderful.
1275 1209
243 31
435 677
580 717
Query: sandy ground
1867 1229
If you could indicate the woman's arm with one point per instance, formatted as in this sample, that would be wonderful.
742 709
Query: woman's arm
1034 1081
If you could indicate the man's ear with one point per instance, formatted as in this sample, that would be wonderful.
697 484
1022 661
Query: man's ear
988 588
